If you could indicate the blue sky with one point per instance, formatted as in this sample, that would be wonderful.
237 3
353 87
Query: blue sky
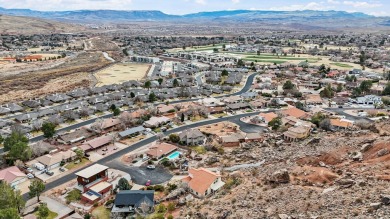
373 7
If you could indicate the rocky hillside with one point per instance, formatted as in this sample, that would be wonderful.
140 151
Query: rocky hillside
30 25
331 175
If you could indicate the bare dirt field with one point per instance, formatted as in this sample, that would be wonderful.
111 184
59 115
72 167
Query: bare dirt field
122 72
64 77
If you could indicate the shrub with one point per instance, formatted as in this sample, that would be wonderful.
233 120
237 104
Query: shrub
74 195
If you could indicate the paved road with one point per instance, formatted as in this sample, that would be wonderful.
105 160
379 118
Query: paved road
341 111
107 160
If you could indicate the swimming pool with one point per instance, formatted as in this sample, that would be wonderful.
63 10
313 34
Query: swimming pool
174 155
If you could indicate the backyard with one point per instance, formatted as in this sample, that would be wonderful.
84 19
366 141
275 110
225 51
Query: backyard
73 165
101 212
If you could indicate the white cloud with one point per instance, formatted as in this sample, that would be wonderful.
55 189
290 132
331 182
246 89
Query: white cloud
308 6
236 1
334 2
358 4
201 2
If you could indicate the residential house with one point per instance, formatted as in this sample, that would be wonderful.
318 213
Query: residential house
232 140
96 143
160 149
75 136
249 95
127 201
268 117
202 182
232 99
13 176
131 132
165 109
341 123
154 122
295 112
93 182
192 137
51 161
313 99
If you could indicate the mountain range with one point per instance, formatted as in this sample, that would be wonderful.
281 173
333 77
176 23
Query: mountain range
117 15
310 18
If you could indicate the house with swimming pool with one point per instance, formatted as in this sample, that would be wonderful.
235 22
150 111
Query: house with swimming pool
158 150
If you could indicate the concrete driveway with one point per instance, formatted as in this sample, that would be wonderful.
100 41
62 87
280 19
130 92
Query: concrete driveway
140 175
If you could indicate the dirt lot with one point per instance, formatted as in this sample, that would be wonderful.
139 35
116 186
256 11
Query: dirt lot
119 73
64 77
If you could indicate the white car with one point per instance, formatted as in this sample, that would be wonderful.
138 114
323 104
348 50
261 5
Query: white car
151 167
30 176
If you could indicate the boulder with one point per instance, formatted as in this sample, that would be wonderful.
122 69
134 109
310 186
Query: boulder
356 156
375 205
280 176
365 147
346 183
284 216
382 152
385 199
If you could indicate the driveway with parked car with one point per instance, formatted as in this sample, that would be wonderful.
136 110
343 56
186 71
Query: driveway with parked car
140 175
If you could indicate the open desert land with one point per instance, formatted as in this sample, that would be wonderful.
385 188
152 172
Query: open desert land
73 73
122 72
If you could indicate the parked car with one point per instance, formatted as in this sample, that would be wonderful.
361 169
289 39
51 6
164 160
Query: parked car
29 170
49 173
30 176
145 158
62 169
151 167
148 183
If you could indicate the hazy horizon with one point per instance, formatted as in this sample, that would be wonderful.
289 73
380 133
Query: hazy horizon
179 7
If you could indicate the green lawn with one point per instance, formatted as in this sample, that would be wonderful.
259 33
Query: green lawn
219 115
73 165
73 196
101 212
275 57
51 215
341 65
270 61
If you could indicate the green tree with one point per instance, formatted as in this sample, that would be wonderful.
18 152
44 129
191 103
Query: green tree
365 86
182 117
1 139
175 82
79 154
174 138
240 63
386 91
116 111
132 95
123 184
10 199
36 188
147 84
14 138
152 97
339 88
125 52
19 151
9 213
275 123
317 118
87 216
112 107
225 73
49 129
160 81
327 92
171 206
161 208
299 105
43 211
288 85
356 92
